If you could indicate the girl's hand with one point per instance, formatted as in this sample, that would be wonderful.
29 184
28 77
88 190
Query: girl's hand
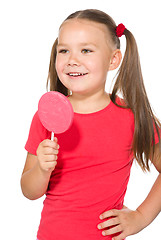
124 221
47 152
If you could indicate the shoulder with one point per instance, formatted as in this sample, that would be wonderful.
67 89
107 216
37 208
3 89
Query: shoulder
122 111
38 126
36 123
120 101
37 134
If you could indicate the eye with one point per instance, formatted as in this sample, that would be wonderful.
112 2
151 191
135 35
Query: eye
86 51
62 51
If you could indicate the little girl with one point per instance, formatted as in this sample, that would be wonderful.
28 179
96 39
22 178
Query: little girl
84 172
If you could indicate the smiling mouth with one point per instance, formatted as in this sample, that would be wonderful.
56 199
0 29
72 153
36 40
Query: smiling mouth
76 74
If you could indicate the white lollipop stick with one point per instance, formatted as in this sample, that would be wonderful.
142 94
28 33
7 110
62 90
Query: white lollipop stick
52 136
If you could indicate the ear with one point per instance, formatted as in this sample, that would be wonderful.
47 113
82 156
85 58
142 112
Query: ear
115 59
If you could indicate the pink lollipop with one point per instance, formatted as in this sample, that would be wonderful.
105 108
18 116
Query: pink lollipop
55 112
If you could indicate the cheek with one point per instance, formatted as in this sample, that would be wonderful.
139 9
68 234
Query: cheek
97 64
98 69
93 65
57 65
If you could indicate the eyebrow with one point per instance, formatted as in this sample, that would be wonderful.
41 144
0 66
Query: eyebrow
81 44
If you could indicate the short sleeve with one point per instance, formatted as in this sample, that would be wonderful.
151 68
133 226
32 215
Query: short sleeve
36 135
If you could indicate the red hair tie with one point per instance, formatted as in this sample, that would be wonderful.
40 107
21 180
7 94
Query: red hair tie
120 30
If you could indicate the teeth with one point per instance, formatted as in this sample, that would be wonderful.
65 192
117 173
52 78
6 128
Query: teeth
76 74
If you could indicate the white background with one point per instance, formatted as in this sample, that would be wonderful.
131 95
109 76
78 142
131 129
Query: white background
28 30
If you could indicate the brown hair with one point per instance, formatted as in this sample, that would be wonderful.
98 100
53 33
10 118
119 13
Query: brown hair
129 82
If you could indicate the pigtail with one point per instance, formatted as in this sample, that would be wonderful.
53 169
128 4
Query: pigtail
52 80
130 83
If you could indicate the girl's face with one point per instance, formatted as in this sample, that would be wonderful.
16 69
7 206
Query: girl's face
83 55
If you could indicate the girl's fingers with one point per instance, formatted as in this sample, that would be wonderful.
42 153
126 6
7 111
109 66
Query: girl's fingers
109 223
49 143
120 237
51 158
110 213
112 230
50 151
49 165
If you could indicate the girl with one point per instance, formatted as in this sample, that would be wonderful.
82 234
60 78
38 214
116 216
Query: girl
85 180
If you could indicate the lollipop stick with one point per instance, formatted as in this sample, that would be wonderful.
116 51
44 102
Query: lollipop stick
52 136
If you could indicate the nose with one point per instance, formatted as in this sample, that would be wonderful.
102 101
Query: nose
73 59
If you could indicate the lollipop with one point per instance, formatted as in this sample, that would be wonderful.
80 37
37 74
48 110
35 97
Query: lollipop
55 112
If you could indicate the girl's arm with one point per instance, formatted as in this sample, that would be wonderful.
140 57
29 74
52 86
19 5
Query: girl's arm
128 222
37 170
33 181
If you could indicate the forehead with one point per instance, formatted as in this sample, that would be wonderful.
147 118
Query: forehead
78 29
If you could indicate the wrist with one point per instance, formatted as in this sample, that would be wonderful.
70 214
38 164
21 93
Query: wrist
43 173
143 219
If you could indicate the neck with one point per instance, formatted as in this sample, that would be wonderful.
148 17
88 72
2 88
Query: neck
89 104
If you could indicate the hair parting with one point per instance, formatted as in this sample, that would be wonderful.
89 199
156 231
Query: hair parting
129 82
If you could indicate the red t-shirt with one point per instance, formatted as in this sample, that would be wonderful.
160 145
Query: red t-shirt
91 174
